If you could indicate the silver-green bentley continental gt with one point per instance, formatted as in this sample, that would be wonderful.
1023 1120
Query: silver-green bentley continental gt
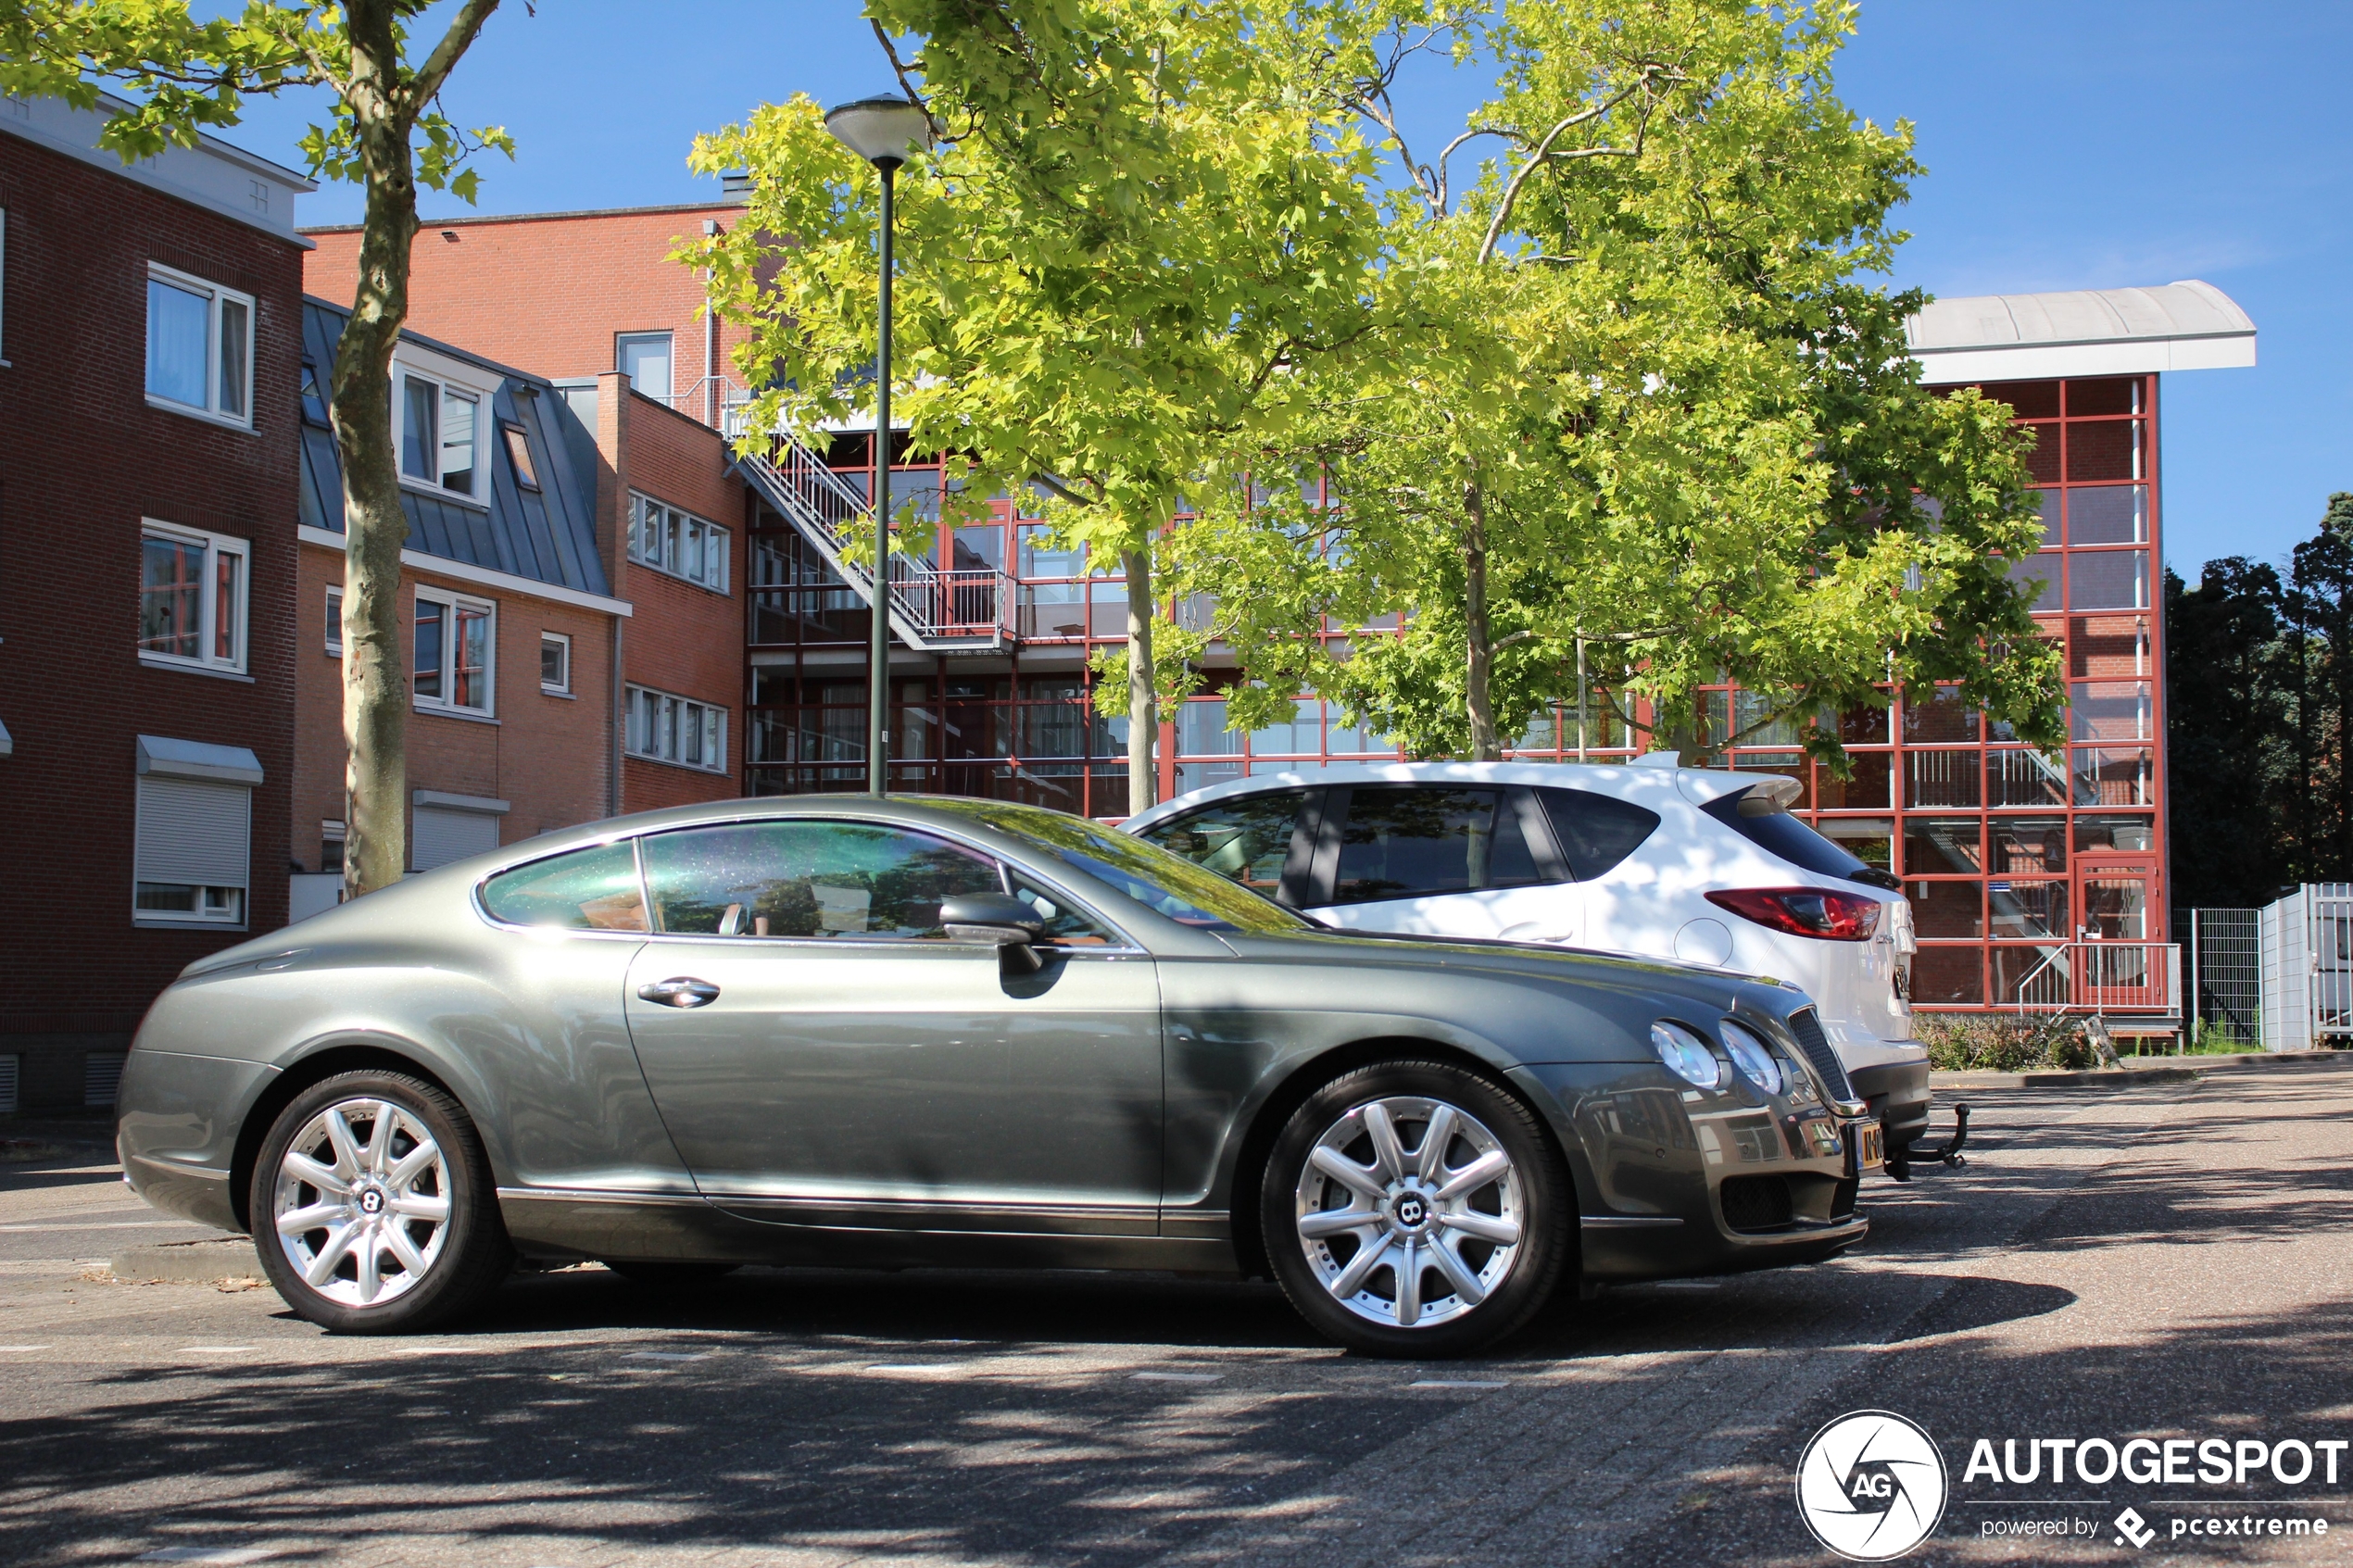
933 1032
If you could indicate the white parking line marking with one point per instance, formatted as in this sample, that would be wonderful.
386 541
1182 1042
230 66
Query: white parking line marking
1455 1383
912 1366
215 1350
19 1349
667 1355
1178 1377
210 1554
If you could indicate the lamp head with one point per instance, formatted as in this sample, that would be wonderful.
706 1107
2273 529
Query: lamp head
882 130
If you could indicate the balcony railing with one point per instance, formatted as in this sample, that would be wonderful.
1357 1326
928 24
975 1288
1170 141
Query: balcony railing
2105 977
929 608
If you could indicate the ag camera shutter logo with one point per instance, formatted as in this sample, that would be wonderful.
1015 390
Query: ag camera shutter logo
1872 1486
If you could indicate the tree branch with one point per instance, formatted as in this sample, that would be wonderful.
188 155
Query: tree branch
1544 152
1060 491
425 85
906 83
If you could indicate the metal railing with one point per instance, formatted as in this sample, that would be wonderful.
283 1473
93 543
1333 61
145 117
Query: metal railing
2105 977
929 608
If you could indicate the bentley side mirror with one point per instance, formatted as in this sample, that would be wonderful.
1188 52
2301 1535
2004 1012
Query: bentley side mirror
998 921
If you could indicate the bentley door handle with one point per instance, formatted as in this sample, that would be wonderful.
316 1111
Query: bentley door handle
683 992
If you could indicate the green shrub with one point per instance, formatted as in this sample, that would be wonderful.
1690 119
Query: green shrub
1987 1042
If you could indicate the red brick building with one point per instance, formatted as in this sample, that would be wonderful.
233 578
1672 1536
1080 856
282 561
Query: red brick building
150 330
565 295
505 610
592 302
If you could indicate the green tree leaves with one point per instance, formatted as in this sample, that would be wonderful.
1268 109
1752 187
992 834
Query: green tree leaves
1633 394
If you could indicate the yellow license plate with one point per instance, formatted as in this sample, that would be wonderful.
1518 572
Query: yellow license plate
1864 1137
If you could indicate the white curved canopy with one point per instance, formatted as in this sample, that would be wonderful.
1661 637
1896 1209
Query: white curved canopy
2183 326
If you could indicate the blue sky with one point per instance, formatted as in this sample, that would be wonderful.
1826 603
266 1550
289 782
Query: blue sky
2080 143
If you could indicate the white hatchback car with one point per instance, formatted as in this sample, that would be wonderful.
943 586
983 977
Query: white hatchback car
1654 860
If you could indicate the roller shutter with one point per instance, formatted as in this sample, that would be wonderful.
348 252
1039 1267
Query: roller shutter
442 833
195 830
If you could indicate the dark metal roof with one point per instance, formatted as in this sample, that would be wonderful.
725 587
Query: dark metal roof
548 534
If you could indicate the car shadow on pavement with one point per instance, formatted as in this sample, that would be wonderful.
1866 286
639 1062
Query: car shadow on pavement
712 1445
917 1304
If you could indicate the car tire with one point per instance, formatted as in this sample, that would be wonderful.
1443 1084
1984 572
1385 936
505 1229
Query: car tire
1356 1202
374 1209
668 1276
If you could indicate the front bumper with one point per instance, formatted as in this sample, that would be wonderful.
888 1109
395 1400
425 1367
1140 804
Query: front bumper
1897 1093
1673 1182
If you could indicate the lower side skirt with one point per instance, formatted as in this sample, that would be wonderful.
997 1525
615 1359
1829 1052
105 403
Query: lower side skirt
573 1226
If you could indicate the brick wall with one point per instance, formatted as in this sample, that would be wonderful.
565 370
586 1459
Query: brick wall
548 294
684 638
84 459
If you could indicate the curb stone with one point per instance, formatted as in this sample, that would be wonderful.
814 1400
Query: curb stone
189 1262
2159 1070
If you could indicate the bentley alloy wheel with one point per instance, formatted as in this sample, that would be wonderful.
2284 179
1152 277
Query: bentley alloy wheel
1416 1209
363 1204
1408 1211
373 1207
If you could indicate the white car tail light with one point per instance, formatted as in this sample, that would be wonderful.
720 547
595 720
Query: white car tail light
1803 911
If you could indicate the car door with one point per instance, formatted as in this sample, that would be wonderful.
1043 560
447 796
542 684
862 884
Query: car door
824 1054
1441 860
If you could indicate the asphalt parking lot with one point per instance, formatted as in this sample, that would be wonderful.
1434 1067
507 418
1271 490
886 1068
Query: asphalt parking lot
2169 1259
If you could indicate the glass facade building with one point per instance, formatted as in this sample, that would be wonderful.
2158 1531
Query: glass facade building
2005 851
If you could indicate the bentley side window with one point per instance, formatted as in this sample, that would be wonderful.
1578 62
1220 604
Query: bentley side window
586 890
808 879
1067 926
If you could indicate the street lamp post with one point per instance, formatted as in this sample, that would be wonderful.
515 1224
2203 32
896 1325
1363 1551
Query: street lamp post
882 131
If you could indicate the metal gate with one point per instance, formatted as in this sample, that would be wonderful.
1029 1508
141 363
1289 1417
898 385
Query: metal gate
2226 972
2307 941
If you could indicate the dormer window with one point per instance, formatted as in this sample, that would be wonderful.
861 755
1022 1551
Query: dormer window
441 411
437 442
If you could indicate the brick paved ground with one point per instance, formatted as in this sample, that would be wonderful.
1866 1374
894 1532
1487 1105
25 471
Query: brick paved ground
2170 1259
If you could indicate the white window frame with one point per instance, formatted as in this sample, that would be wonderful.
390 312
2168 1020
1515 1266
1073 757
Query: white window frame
657 529
334 622
445 375
217 296
452 604
563 686
215 546
657 721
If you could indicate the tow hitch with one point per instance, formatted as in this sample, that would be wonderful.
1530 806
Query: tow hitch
1899 1165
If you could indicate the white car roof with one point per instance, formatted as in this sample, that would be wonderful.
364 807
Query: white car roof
1655 777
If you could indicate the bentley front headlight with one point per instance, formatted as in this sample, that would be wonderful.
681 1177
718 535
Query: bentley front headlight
1756 1060
1686 1055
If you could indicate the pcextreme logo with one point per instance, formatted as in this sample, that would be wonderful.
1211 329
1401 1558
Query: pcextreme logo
1872 1486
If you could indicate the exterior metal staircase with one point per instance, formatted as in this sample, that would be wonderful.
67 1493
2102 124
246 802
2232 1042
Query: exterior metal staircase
931 610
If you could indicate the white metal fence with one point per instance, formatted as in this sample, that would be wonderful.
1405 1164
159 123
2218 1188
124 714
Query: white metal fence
2306 967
